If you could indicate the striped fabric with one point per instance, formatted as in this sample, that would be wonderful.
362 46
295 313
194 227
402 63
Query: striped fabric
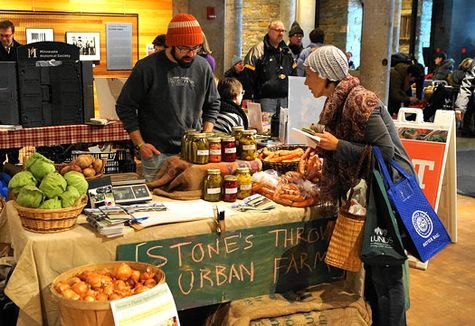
225 122
184 29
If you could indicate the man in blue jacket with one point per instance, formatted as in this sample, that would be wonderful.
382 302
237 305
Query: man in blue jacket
168 92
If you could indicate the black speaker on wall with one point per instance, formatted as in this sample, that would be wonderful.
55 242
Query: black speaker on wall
87 89
9 111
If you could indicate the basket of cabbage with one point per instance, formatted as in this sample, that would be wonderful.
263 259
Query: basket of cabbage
45 200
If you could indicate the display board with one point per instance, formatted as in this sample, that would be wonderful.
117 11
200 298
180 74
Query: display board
432 149
210 268
88 26
304 109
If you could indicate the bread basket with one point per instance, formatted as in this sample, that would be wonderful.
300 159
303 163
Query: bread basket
282 167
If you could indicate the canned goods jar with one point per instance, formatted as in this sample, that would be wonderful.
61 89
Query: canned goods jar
237 133
248 145
228 149
212 185
200 149
230 188
244 180
185 141
214 149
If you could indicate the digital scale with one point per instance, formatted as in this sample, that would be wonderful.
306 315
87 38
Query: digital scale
130 191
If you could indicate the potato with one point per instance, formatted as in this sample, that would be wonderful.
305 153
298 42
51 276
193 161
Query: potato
75 167
84 160
88 172
65 169
97 164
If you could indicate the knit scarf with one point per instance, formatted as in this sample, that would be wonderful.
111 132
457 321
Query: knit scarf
345 115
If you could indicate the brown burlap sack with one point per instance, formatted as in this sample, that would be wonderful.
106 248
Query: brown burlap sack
324 304
179 179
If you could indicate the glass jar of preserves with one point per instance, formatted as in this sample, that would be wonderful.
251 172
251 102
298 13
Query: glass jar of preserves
200 149
248 145
185 140
230 188
228 149
237 133
214 149
212 185
244 180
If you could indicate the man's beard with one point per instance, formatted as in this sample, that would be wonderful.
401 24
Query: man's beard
181 63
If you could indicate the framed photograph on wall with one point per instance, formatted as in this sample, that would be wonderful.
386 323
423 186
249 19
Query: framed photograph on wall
39 35
89 44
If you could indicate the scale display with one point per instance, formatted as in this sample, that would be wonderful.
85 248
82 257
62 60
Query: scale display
129 194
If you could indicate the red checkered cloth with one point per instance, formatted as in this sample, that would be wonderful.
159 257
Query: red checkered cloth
56 135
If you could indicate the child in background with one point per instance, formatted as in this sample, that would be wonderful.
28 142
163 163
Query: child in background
231 113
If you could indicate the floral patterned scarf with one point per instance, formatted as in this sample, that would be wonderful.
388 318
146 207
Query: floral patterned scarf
345 115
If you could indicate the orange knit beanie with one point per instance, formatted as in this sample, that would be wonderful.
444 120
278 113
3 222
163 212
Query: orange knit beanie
184 29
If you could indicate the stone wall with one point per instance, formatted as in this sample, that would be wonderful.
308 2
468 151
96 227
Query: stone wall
334 21
256 16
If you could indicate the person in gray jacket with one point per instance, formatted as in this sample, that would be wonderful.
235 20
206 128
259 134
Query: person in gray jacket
167 93
465 93
317 37
354 117
443 67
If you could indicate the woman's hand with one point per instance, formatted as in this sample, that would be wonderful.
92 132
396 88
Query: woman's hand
327 141
147 150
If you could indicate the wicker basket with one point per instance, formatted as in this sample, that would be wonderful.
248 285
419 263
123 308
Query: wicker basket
98 175
50 220
84 313
282 167
345 244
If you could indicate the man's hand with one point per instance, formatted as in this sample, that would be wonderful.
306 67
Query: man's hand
327 141
458 115
147 150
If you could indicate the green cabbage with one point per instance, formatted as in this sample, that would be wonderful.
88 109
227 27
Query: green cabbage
69 197
21 179
39 165
53 185
53 203
77 180
30 196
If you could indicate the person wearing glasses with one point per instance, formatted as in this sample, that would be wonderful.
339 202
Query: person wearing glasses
267 66
231 115
167 93
8 52
295 40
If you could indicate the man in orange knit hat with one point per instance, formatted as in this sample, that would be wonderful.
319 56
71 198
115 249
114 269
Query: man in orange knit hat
168 92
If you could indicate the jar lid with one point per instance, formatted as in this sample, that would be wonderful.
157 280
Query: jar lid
199 135
229 138
230 177
244 169
190 130
249 132
238 128
214 139
214 171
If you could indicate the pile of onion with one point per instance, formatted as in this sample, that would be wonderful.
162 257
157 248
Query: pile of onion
106 285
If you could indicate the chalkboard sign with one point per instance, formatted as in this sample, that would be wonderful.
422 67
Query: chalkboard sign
207 268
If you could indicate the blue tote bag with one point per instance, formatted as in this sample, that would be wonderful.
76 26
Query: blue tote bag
426 233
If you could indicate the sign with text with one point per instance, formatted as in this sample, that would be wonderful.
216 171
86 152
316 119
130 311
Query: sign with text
428 158
208 268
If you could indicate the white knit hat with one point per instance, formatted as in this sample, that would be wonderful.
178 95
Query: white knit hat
329 62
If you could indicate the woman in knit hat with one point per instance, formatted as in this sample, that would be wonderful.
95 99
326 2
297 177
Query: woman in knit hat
295 40
353 117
